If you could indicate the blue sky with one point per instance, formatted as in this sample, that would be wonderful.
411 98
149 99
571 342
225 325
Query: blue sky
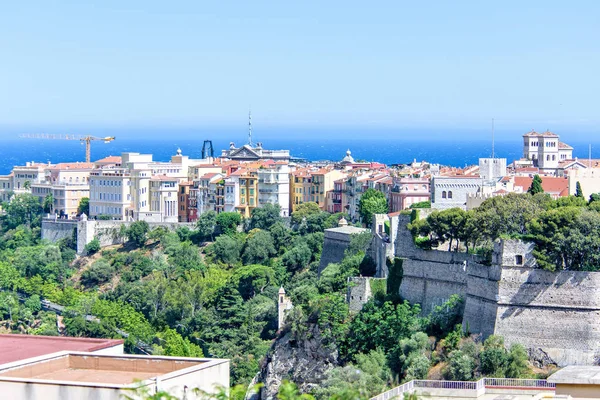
528 64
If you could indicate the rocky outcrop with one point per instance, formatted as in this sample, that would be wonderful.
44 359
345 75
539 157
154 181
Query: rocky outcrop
304 361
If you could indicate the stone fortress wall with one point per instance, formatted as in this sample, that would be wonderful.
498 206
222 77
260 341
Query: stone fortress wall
556 315
107 232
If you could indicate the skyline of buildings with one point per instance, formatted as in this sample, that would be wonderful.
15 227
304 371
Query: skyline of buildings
134 186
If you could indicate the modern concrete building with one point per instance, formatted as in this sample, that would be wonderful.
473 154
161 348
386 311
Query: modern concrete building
48 368
73 375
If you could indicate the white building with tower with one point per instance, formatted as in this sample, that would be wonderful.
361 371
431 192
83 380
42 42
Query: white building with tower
545 150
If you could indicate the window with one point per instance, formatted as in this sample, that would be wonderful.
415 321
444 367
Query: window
450 194
444 194
519 259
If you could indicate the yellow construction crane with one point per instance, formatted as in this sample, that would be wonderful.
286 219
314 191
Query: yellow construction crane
83 139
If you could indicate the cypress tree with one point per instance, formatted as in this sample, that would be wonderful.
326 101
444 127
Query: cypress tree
536 186
578 191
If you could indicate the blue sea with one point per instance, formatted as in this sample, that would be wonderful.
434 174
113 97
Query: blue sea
447 147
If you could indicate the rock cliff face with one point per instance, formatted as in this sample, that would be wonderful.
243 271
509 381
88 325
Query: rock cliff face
304 361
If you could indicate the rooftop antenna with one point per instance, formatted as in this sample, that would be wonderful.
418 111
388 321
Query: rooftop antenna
492 137
250 127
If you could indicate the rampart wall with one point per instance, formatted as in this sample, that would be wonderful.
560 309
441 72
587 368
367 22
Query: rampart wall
553 314
336 241
107 232
57 230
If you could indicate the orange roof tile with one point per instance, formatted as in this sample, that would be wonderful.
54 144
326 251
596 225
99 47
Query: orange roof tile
110 160
552 185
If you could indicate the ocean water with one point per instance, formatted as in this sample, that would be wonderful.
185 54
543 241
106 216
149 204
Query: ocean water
446 148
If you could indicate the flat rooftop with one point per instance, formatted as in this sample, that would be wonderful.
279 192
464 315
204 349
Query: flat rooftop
96 369
19 347
576 374
349 229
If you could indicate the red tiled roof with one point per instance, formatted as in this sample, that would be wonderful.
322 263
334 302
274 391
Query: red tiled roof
19 347
552 185
562 145
110 160
75 165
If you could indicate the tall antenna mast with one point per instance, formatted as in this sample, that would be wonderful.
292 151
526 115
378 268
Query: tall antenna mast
250 127
493 138
590 157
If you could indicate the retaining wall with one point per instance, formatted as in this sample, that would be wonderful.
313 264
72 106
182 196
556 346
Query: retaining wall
107 232
555 314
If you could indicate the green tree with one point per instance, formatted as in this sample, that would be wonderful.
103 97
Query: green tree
84 206
99 272
304 210
372 202
567 238
448 225
460 366
493 357
266 216
282 236
138 233
506 215
536 186
381 326
259 248
207 221
253 279
297 258
23 209
92 247
48 203
228 222
173 344
578 190
227 249
445 317
517 366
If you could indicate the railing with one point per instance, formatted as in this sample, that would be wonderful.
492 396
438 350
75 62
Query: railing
478 386
395 392
510 382
456 385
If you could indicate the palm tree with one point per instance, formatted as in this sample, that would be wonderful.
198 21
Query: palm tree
48 204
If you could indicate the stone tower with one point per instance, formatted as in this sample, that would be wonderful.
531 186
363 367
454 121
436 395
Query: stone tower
284 304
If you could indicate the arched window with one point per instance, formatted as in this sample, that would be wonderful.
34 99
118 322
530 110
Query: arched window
444 194
450 194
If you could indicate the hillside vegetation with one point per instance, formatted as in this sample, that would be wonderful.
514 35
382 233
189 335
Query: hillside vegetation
212 291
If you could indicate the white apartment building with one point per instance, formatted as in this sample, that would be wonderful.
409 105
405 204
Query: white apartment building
163 200
6 182
274 186
68 183
110 193
139 189
27 175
